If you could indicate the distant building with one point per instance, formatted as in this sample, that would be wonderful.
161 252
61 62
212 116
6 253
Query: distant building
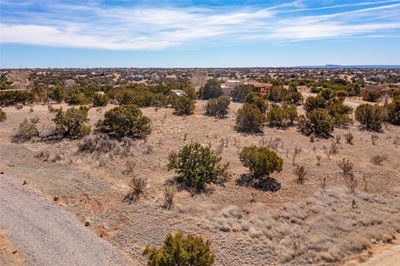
229 85
261 87
179 93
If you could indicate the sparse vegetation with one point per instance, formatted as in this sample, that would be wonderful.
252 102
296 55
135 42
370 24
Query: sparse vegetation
27 130
196 166
180 249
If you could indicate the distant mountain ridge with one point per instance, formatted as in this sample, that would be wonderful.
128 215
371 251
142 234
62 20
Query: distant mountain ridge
352 66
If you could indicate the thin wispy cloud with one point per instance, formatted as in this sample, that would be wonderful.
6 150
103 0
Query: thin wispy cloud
140 27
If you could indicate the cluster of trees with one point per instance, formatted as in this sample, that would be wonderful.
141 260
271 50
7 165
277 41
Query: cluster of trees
282 116
16 97
371 117
323 115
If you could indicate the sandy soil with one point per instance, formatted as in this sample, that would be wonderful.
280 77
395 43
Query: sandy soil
9 255
235 218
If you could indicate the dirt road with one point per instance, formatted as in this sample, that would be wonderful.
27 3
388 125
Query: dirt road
390 257
45 234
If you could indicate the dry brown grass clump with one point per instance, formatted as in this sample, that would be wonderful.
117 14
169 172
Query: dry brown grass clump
138 186
378 159
300 172
27 130
169 194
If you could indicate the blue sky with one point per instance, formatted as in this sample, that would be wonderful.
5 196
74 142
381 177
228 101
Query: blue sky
184 33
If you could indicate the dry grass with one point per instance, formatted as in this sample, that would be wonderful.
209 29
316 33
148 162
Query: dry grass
296 225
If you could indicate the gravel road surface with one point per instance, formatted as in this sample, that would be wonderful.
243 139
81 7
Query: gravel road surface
45 234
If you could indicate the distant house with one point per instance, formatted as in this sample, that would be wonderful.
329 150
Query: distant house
261 87
179 93
229 85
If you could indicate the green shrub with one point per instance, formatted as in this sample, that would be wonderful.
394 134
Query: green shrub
372 96
277 94
239 92
260 160
3 115
4 83
125 121
57 94
255 99
72 123
317 122
294 97
181 250
312 103
393 112
76 97
218 107
339 112
184 105
196 165
370 117
212 89
16 97
249 119
327 93
100 100
282 116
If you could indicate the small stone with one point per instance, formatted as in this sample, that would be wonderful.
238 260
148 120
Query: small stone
87 223
55 198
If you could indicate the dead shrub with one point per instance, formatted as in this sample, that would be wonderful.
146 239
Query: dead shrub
350 180
26 130
378 159
374 138
138 186
334 148
318 160
338 138
300 172
349 138
100 143
130 166
43 155
346 166
297 151
169 193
